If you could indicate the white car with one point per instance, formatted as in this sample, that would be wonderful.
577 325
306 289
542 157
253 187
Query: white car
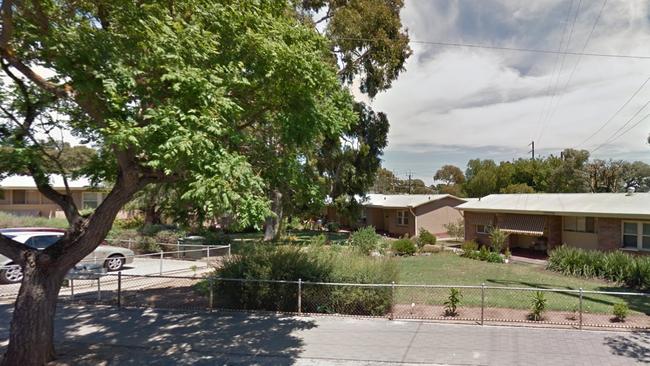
112 258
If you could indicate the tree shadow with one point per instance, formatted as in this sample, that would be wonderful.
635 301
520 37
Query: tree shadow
145 336
635 345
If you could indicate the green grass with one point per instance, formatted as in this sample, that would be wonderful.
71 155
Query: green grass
299 237
9 220
451 269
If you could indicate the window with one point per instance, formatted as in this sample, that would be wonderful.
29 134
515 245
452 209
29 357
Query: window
18 197
636 235
402 218
580 224
90 200
42 242
483 229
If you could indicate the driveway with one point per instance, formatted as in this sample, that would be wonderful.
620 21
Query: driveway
90 336
140 266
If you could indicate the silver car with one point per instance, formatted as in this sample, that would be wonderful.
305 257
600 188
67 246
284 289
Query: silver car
112 258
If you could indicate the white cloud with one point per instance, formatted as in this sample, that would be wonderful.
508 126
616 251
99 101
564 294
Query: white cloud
474 98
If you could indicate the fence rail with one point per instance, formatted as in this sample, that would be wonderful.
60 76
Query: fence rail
478 304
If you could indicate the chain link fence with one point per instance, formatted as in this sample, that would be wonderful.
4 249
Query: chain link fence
471 304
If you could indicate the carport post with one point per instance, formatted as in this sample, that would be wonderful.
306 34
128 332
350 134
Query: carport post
482 301
119 289
161 261
580 309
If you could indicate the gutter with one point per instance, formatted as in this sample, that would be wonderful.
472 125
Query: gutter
415 220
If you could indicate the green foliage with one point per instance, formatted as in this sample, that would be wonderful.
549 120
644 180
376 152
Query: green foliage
319 240
134 222
366 240
469 246
450 175
333 227
147 244
425 237
453 300
620 311
615 266
517 188
498 239
387 183
403 246
507 253
317 264
9 220
537 306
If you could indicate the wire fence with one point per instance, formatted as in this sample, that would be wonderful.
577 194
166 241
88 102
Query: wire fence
475 304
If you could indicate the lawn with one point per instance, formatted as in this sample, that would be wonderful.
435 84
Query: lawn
451 269
298 237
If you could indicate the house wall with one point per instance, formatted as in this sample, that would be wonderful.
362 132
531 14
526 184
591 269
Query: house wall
375 218
36 204
609 233
471 220
433 216
391 226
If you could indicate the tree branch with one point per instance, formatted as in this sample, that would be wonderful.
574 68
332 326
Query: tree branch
12 249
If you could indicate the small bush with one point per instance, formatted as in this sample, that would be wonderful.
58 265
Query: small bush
333 227
452 302
493 257
456 230
469 246
498 239
318 240
216 237
147 244
537 306
425 237
404 246
620 311
365 240
129 223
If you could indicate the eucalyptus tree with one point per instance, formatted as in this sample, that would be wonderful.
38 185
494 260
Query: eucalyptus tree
172 92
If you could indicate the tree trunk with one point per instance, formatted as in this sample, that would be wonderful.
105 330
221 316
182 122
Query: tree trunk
272 223
31 341
152 215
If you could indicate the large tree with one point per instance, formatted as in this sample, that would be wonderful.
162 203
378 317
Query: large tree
167 92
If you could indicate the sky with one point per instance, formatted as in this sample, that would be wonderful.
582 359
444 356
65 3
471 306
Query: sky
452 104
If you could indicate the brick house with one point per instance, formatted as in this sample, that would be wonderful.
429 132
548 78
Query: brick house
541 221
406 214
19 196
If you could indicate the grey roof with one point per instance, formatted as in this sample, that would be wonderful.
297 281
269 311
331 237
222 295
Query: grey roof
26 182
402 200
592 204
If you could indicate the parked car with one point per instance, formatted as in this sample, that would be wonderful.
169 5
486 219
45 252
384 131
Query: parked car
112 258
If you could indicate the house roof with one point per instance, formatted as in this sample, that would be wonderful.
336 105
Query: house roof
402 200
571 204
26 182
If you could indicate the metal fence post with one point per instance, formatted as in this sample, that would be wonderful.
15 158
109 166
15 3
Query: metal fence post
99 289
211 295
208 260
300 296
580 309
482 302
229 246
161 262
72 289
392 300
119 289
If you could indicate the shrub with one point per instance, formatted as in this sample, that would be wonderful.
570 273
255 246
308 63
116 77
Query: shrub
425 237
507 253
493 257
313 264
452 302
498 239
404 246
129 223
620 311
365 240
615 266
318 240
538 306
469 246
456 230
333 227
483 253
147 244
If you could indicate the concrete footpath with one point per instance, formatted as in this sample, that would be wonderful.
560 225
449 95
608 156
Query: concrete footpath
105 336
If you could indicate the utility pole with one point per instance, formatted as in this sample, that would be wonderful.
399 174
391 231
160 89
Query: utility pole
532 151
409 175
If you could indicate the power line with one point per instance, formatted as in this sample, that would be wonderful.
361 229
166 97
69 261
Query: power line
626 131
614 137
514 49
575 66
616 113
547 117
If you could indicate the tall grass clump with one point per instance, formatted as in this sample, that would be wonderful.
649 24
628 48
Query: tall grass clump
366 240
616 266
310 264
9 220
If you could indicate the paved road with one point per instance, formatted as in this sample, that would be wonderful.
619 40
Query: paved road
140 266
136 336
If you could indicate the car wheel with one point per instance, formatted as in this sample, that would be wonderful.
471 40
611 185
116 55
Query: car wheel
114 263
12 274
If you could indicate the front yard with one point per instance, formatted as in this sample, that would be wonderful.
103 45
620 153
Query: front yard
451 269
